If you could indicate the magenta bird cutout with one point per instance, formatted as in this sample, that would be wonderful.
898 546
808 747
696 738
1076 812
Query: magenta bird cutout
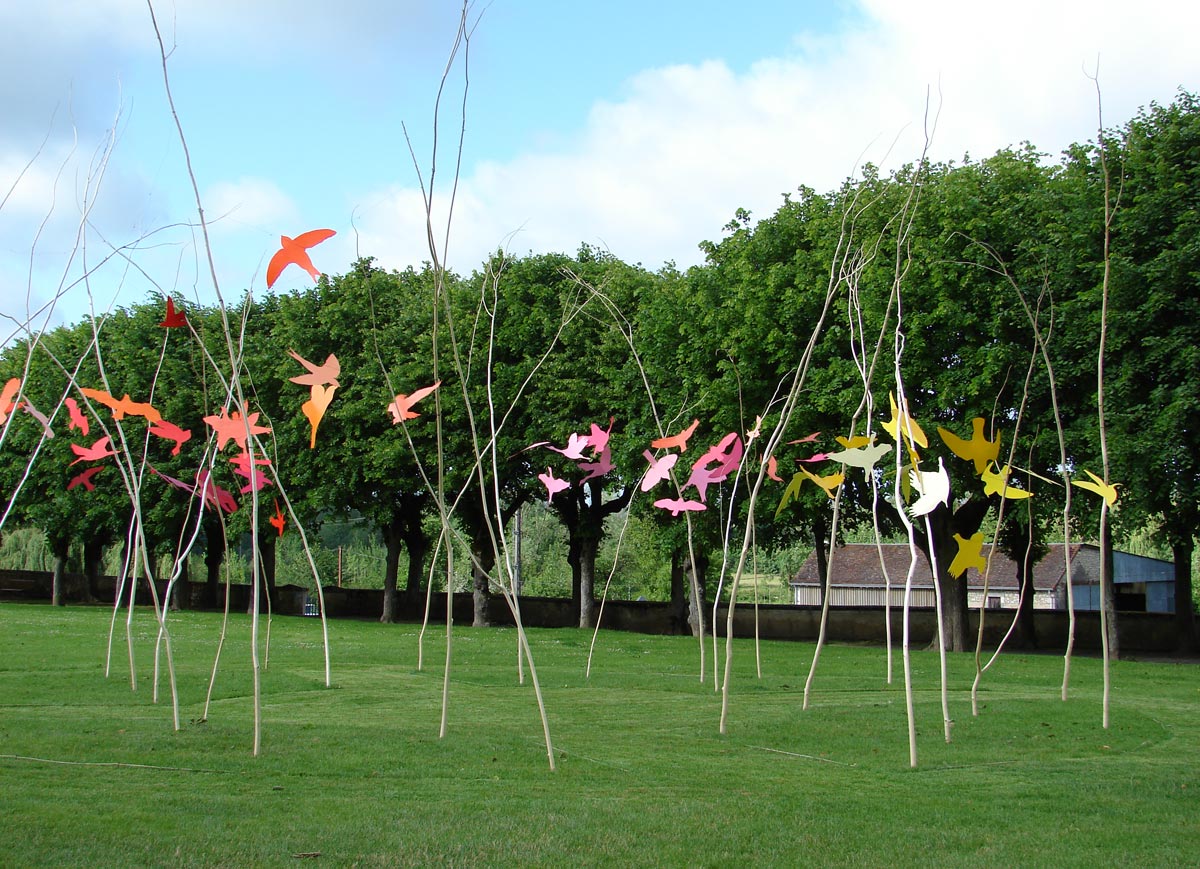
171 432
79 420
553 484
85 479
213 494
679 505
401 406
676 441
294 251
659 469
97 451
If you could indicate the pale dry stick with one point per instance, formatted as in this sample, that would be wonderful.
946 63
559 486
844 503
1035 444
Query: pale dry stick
898 499
212 680
937 599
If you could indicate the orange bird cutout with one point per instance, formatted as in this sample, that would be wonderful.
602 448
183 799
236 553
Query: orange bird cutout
233 428
325 374
171 432
174 318
78 419
680 440
401 406
1105 490
85 479
8 397
978 449
315 408
97 451
294 251
278 520
122 407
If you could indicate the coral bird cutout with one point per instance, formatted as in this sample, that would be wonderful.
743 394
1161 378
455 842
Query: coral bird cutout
970 554
78 419
97 451
294 251
278 521
85 479
8 397
314 409
1106 491
978 449
213 494
678 505
553 484
773 469
231 427
933 488
680 440
175 318
659 469
996 483
171 432
401 406
123 407
325 374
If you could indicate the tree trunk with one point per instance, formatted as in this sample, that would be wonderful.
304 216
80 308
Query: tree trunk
391 571
485 560
1026 633
417 544
93 554
1108 595
587 581
214 554
181 595
266 562
696 601
58 584
679 592
1185 614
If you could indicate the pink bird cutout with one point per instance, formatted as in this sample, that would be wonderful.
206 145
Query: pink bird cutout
171 432
401 406
231 427
85 479
553 484
807 439
242 467
598 437
576 444
325 374
598 468
679 440
28 407
99 450
678 505
213 494
659 469
773 469
78 419
701 477
819 457
294 251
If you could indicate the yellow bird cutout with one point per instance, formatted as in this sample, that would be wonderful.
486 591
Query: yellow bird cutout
903 423
978 449
853 443
996 483
828 483
1107 491
970 554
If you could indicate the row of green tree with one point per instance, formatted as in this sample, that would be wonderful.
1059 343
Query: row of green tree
984 279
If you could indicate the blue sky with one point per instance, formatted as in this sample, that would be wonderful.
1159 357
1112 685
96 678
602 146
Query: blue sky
637 126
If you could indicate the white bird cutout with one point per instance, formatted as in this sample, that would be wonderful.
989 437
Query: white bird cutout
934 488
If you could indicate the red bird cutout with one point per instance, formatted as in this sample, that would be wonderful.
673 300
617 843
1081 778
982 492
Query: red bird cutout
214 495
122 407
78 419
233 428
94 453
8 396
659 469
174 319
85 479
678 505
171 432
325 374
295 251
680 440
553 484
401 406
278 520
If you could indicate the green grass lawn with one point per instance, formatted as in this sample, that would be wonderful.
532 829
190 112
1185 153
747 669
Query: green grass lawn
93 774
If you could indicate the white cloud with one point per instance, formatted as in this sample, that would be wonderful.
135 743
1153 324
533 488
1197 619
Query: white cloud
663 168
248 203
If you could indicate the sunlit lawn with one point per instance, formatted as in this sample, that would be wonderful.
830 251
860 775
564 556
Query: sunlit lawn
93 774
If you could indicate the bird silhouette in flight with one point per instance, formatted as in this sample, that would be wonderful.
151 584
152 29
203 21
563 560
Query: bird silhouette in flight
1107 491
576 444
807 439
978 449
679 440
933 488
853 443
8 397
278 520
598 468
864 457
659 469
996 483
243 467
171 432
679 505
78 419
314 409
598 437
401 406
969 554
99 450
175 318
294 251
231 427
124 406
325 374
902 423
85 479
553 484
